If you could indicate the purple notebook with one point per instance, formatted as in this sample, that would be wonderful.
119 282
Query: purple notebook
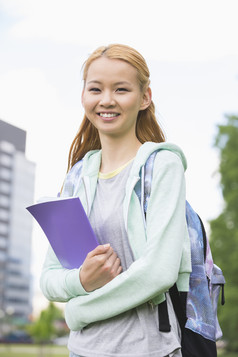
67 228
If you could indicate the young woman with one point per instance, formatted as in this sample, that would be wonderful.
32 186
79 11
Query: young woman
112 299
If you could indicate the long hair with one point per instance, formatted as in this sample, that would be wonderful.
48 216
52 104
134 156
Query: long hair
147 127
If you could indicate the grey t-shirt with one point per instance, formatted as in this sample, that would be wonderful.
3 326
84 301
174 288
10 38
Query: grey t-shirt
135 332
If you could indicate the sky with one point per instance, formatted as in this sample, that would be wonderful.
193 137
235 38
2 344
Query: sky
190 47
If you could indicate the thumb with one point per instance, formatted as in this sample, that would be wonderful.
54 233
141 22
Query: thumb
100 249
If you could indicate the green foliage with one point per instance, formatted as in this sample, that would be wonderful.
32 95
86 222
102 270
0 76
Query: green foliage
227 142
44 328
224 229
19 350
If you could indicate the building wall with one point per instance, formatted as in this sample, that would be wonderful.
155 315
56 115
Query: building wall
17 176
6 159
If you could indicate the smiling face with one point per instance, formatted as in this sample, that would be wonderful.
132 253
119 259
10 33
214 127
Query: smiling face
112 97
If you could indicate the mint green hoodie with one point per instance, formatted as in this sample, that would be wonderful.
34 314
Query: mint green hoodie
161 251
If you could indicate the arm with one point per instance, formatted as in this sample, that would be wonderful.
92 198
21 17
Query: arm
57 283
157 269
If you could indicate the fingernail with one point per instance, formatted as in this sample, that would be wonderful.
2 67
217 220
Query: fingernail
106 245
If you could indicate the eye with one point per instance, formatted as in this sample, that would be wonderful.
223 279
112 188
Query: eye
94 89
122 90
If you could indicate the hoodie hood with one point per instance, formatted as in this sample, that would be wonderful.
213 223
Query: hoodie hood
92 160
149 147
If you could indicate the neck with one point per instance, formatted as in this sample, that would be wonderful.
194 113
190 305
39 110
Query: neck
117 152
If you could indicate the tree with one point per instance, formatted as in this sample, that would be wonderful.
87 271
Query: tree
224 229
44 328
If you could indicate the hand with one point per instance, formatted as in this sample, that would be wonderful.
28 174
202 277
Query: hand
100 266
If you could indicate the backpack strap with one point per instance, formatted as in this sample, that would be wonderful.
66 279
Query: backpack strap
179 304
204 238
164 325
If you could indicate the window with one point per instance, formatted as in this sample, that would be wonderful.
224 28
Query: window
5 173
5 187
3 256
4 201
4 215
6 160
3 228
3 243
6 147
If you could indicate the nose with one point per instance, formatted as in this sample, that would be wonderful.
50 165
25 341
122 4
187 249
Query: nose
107 99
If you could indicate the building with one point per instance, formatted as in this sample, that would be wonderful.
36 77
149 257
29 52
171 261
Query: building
17 177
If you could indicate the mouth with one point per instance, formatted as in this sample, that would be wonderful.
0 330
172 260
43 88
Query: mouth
108 115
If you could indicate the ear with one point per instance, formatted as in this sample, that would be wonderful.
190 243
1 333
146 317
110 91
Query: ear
82 99
146 99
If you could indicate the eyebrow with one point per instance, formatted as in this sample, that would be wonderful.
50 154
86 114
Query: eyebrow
117 83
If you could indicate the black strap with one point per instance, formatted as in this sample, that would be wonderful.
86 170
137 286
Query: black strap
179 307
164 325
222 294
204 238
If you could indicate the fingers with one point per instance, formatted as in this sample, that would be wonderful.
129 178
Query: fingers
100 266
112 266
101 254
116 268
112 261
100 249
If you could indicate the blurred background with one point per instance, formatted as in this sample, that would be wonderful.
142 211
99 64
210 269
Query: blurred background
191 49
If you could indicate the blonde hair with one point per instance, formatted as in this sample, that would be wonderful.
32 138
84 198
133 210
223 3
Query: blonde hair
147 127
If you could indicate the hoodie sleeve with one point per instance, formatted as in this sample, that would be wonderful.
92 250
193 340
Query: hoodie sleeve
57 283
166 253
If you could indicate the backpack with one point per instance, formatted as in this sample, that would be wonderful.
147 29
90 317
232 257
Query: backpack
196 310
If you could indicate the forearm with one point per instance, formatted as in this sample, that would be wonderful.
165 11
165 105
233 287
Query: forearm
58 283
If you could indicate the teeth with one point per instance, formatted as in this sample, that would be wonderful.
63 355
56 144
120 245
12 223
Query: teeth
108 115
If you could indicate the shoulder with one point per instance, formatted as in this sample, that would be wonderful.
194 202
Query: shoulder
169 166
167 158
71 178
164 153
75 171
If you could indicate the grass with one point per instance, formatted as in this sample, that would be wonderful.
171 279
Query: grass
33 351
54 351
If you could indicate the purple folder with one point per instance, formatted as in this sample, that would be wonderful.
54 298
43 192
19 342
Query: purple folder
67 228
